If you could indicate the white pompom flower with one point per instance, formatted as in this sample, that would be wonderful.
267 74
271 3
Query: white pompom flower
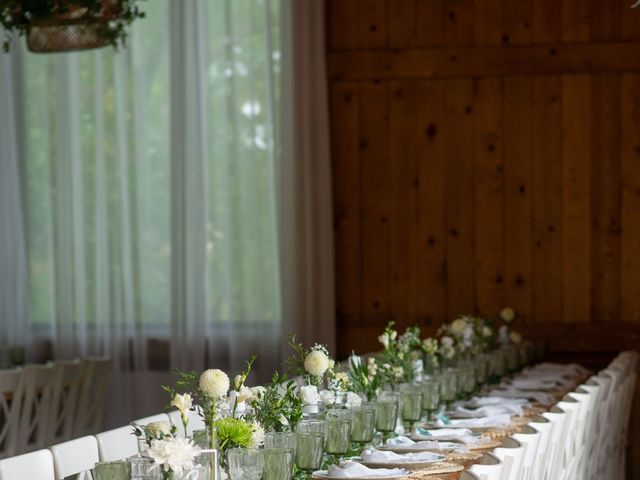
458 326
316 363
158 429
214 383
508 314
515 338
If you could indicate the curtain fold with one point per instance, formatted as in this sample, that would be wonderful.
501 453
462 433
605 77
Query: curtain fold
305 202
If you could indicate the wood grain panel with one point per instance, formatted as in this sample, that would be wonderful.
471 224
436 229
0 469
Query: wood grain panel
517 19
489 195
416 23
459 22
547 199
375 246
372 23
482 61
340 38
459 196
605 198
429 103
630 168
576 203
518 183
403 149
547 24
346 205
487 16
576 20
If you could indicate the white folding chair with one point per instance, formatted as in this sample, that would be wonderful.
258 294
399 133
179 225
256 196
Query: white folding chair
545 427
10 408
529 438
36 465
64 400
92 393
36 407
469 475
572 407
555 458
489 468
75 457
511 454
117 444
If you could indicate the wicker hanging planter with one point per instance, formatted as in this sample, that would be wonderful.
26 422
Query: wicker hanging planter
68 25
78 29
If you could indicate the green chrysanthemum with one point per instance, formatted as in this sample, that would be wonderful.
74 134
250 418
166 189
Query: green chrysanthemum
234 432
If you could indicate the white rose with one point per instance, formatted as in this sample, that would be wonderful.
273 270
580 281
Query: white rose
316 363
486 331
353 400
214 383
244 394
515 338
508 314
327 397
309 395
183 403
393 335
258 434
447 342
458 326
158 429
384 340
178 454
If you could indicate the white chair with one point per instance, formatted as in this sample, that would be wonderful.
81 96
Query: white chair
143 422
195 422
529 438
36 407
36 465
10 408
555 458
545 427
489 468
117 444
511 454
64 400
469 475
92 393
75 457
568 446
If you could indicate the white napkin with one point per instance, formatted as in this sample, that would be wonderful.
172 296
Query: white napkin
541 397
486 401
402 442
378 456
357 470
533 383
442 434
487 411
483 422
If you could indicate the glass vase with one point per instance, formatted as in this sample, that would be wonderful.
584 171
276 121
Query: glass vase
278 464
245 463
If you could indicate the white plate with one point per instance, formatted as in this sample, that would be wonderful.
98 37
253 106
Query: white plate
322 475
400 463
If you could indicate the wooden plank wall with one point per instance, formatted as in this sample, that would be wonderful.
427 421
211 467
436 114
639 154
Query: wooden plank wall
487 153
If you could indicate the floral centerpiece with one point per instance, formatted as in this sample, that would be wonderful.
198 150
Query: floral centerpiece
365 376
278 406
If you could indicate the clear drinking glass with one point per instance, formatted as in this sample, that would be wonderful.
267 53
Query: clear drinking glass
511 356
278 464
468 380
338 432
387 413
363 427
245 463
309 450
411 405
481 365
449 385
430 396
112 471
280 440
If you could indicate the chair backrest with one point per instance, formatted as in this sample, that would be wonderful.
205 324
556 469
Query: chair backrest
64 400
36 465
75 457
529 438
489 468
117 444
195 422
10 408
545 427
91 404
36 407
160 417
470 475
511 454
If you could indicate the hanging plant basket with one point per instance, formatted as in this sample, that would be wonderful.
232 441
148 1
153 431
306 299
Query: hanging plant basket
68 25
78 29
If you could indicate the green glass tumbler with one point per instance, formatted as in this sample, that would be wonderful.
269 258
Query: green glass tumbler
338 431
449 378
112 471
363 427
309 450
430 396
278 464
387 407
411 405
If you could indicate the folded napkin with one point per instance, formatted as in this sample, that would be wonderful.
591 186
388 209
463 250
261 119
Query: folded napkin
463 435
486 401
487 411
534 383
378 456
357 470
482 422
402 442
541 397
